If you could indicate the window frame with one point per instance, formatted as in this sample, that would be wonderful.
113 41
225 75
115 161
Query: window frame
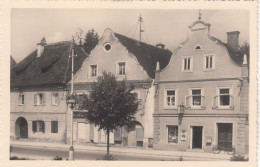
21 99
118 69
198 49
107 43
191 63
36 126
205 63
54 129
201 95
230 96
166 106
178 134
90 70
52 96
38 99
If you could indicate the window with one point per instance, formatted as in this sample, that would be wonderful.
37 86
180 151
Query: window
107 47
187 64
173 134
121 68
224 97
21 99
54 126
38 126
209 62
170 98
54 99
196 97
93 70
198 47
39 99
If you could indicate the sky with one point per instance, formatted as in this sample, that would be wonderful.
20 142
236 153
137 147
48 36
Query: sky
170 27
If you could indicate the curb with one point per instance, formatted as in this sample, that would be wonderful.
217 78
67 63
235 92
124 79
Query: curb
125 151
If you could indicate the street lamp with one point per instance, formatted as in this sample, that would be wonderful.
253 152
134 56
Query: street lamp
181 109
71 99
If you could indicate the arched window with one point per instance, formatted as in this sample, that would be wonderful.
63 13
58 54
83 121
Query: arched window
198 47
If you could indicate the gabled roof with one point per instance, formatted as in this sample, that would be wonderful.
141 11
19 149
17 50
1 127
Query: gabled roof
12 62
147 55
234 55
52 67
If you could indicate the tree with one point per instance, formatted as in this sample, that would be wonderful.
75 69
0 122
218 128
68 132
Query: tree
110 104
90 40
245 49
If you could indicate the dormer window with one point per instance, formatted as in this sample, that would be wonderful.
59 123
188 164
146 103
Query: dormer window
197 47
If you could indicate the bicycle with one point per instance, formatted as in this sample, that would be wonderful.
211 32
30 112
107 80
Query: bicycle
229 149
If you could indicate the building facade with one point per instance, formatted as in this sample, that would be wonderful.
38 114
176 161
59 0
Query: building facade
202 95
134 62
38 92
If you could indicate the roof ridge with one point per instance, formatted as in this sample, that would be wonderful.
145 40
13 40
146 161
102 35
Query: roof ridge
142 42
57 43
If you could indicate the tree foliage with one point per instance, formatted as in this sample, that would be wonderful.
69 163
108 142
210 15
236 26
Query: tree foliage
91 40
111 103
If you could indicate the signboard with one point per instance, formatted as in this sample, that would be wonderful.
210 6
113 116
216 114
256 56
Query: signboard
183 135
79 114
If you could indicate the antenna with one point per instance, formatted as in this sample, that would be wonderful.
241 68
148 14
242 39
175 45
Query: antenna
140 20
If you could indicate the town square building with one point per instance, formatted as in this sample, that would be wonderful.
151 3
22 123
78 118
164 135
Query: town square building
131 60
38 92
202 95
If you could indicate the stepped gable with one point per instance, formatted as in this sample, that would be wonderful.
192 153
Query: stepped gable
147 55
52 67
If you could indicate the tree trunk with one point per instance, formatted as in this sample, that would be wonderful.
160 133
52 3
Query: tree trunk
107 142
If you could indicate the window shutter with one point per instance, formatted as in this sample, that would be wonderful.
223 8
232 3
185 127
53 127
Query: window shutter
35 99
215 102
203 102
43 127
117 134
187 101
34 126
43 99
231 101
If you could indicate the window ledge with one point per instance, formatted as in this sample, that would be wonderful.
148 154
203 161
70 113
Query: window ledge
170 108
196 108
208 70
187 71
21 104
224 108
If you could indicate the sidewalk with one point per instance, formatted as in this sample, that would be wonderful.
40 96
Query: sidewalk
191 155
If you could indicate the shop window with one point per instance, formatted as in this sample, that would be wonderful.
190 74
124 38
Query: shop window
172 134
38 126
54 126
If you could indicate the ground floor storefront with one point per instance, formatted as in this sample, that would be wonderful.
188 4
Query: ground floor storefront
128 136
40 126
200 133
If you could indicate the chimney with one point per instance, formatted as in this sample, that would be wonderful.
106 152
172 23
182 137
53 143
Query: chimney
160 45
40 47
233 39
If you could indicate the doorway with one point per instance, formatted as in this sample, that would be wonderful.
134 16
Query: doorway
225 131
196 137
21 128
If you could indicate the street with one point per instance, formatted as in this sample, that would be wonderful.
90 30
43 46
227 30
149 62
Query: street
50 153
